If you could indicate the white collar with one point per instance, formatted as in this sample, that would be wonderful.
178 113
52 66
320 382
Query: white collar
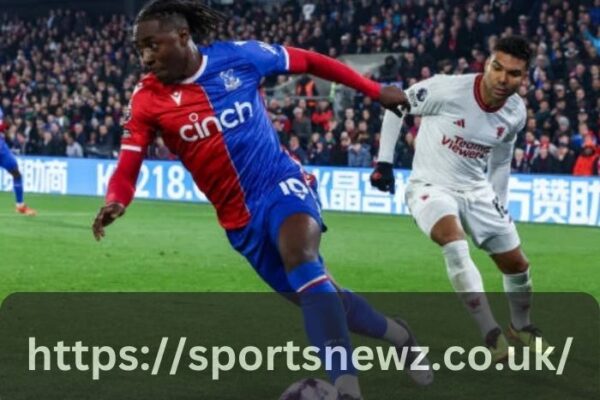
199 72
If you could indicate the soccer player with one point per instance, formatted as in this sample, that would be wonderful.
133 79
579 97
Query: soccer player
469 123
9 163
206 103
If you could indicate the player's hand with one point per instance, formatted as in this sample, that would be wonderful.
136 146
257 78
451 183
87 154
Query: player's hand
106 216
394 99
383 177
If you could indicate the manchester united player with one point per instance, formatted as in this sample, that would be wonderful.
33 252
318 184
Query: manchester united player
206 103
470 123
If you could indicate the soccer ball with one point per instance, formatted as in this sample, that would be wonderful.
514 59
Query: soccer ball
310 389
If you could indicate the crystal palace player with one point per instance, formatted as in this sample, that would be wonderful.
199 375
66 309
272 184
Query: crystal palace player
205 102
467 121
9 163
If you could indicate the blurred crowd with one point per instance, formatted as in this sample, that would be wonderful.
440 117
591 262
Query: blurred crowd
66 78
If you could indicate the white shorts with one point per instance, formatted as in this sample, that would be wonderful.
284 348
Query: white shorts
478 211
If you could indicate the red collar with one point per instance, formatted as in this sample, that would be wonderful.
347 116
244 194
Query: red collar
479 99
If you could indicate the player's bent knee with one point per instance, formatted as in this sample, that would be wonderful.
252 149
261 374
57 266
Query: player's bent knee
16 174
522 264
515 267
299 239
512 262
292 259
447 230
443 240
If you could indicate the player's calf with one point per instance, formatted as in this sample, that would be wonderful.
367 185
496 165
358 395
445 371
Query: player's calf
324 316
466 281
511 262
20 207
517 285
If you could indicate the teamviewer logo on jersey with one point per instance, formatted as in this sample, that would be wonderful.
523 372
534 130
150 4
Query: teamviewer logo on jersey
231 82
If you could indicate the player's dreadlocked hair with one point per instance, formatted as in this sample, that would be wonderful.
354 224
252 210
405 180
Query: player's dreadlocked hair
200 18
516 46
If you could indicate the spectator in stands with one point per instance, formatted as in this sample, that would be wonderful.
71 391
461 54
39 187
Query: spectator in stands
359 155
409 68
587 134
105 138
50 145
533 127
301 126
350 114
530 147
297 151
350 128
307 87
339 154
79 134
564 126
565 159
369 120
406 151
586 164
73 72
322 116
319 154
21 146
544 162
329 141
546 142
280 130
519 164
389 71
73 148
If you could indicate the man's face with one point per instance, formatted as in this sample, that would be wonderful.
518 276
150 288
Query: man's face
503 75
162 49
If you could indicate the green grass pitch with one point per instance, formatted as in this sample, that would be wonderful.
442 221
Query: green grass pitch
179 247
166 246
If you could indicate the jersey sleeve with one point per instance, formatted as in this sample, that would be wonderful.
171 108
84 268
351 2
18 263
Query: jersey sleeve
522 122
137 135
268 59
427 97
137 128
499 169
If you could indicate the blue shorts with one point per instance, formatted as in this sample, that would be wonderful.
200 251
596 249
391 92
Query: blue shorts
258 240
7 159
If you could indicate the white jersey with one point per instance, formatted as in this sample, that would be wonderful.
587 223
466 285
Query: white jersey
459 133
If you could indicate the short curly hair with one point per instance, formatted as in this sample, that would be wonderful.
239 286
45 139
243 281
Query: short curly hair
516 46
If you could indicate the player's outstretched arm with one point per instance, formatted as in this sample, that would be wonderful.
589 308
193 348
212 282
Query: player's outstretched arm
121 189
303 61
383 176
499 170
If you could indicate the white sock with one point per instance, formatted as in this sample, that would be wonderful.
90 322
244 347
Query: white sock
348 384
518 288
467 282
395 333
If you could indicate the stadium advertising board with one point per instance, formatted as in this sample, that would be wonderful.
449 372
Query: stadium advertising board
533 198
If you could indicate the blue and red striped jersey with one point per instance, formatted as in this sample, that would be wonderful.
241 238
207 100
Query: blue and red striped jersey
217 124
